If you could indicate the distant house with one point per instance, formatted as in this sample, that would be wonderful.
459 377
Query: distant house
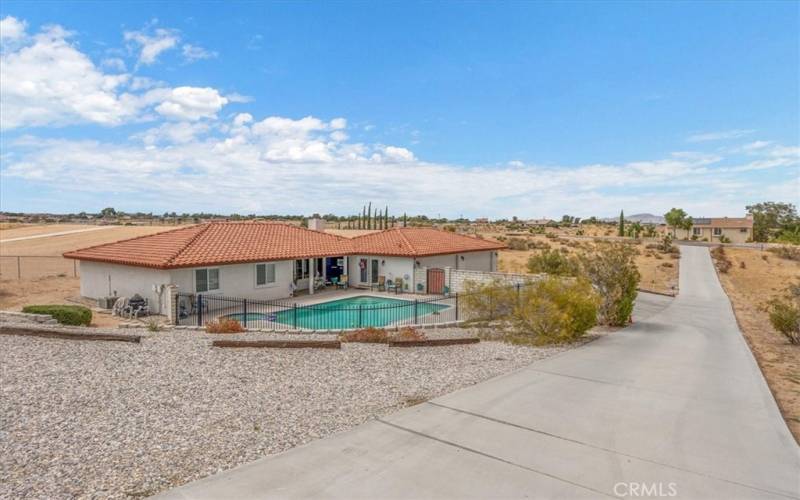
260 260
481 220
538 222
735 229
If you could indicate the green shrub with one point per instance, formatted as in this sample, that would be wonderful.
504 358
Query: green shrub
784 314
724 239
517 244
488 301
64 314
554 311
612 271
554 262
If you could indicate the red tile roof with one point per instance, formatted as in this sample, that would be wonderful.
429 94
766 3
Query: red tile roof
420 242
218 243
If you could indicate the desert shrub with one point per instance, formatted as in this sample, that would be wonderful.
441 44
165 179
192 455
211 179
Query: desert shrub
488 301
554 311
667 264
517 244
784 313
153 326
724 239
369 335
539 245
786 252
721 259
408 333
612 271
64 314
555 263
552 236
224 325
742 265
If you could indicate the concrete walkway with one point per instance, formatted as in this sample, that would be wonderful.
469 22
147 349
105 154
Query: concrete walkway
673 406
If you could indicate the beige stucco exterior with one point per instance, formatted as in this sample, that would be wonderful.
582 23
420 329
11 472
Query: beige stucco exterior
714 234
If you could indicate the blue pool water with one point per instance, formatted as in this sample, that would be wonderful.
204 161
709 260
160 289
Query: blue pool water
353 312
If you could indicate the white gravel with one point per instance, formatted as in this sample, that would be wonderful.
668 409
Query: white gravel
110 419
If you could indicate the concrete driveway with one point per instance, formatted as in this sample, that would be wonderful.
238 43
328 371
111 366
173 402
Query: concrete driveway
673 406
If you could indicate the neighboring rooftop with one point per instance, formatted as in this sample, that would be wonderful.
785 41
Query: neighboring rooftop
219 243
420 242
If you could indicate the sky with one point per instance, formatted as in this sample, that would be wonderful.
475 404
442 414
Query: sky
474 109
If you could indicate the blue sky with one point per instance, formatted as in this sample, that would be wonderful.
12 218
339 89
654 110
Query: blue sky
480 109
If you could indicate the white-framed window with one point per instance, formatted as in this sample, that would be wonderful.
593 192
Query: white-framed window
265 274
206 280
697 231
717 231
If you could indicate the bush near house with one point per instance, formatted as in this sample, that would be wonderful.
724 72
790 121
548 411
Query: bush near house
786 252
367 335
554 311
488 301
721 260
224 325
64 314
784 313
408 334
612 270
555 263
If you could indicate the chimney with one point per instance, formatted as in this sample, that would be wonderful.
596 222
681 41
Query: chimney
316 224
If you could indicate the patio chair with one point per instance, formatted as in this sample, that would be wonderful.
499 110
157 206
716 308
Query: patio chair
140 310
380 285
397 286
342 281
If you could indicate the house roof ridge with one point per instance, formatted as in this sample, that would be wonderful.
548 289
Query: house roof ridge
175 255
405 239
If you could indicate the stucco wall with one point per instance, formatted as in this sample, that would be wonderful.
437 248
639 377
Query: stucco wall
239 280
99 279
474 261
706 234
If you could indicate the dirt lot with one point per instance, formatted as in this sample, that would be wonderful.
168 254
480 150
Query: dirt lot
52 279
749 288
659 271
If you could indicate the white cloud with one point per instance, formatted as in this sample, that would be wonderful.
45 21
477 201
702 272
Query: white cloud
191 103
49 81
151 45
193 53
11 28
338 123
250 158
114 63
718 136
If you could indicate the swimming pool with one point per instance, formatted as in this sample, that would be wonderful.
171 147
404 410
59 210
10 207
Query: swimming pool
360 311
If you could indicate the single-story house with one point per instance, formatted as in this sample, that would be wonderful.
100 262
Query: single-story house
538 222
266 260
735 229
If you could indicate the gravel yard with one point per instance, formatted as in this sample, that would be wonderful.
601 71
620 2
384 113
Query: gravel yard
113 419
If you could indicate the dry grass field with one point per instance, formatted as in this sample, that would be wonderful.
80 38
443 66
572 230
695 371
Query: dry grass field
49 278
764 276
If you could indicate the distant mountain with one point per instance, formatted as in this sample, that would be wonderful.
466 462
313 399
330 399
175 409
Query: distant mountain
643 218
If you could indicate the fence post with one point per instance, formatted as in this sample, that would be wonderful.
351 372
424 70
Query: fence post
294 315
244 311
456 306
200 310
360 306
415 311
19 269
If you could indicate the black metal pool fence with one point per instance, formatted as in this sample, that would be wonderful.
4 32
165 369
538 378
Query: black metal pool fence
338 313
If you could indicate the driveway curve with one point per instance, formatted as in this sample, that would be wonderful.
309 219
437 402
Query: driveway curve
672 406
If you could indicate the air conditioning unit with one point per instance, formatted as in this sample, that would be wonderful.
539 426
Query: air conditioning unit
106 302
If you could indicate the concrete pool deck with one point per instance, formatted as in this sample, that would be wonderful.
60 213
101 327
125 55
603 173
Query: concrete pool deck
674 403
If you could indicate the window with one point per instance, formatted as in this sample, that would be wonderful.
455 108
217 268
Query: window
206 280
697 231
300 269
265 274
717 231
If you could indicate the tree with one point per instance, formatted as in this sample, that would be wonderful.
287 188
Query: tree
770 219
621 229
612 270
108 212
635 229
677 219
